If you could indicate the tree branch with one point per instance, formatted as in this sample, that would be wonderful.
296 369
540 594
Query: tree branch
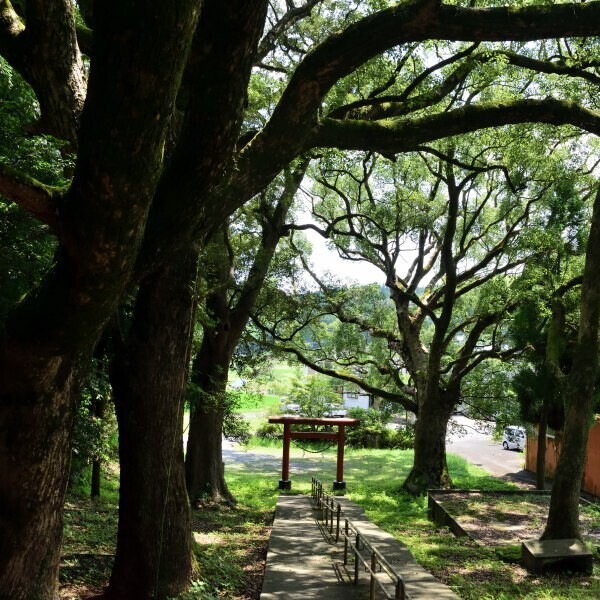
11 29
400 398
391 136
40 200
273 230
293 127
293 15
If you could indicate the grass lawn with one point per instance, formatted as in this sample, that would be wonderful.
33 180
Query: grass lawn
256 408
231 544
373 478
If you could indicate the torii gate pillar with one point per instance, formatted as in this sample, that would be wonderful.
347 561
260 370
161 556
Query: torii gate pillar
288 434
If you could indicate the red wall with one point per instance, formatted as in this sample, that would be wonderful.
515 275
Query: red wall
591 474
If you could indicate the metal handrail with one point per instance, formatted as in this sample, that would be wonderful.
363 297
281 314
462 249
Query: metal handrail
356 542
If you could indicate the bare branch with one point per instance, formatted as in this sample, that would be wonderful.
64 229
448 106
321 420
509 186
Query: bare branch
292 16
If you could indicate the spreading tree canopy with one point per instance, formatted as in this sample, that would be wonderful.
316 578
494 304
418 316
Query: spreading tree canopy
149 96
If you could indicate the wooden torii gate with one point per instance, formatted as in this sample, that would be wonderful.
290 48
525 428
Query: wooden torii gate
288 434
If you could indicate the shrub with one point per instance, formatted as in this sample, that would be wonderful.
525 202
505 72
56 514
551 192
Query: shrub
373 431
94 437
270 431
403 439
236 428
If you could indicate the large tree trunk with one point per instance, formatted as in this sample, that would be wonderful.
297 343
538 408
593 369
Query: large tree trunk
563 517
154 556
429 470
36 417
99 224
204 469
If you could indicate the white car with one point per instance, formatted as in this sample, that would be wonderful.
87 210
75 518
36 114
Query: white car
513 438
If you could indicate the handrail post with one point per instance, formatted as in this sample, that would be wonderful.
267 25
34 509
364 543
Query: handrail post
400 590
331 518
356 554
372 582
346 542
337 527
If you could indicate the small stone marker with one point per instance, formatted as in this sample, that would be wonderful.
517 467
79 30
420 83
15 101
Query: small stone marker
571 554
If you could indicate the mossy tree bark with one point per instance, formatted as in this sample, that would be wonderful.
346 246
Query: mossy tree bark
154 557
51 334
563 517
204 469
228 318
180 222
430 470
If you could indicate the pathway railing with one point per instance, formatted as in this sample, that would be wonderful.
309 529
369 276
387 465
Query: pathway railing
356 545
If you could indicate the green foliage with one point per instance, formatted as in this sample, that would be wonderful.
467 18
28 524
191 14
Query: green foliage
315 396
89 534
219 577
270 431
373 431
250 401
26 253
38 156
26 245
94 437
235 427
534 385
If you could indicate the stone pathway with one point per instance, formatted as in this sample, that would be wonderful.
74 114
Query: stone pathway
303 561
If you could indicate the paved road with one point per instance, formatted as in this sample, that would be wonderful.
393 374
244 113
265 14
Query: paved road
467 439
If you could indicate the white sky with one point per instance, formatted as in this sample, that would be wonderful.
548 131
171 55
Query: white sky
325 260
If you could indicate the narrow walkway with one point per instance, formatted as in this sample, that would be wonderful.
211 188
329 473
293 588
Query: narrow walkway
303 562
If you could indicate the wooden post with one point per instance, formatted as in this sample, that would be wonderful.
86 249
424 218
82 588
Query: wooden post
339 483
284 482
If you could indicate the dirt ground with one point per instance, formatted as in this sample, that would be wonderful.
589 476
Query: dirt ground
498 520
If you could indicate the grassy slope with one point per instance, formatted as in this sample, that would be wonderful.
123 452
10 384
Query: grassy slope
231 543
373 478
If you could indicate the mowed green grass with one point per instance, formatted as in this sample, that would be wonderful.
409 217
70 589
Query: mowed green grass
256 408
374 480
231 542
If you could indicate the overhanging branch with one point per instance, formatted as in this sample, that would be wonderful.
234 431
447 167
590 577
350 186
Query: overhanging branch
401 135
400 398
40 200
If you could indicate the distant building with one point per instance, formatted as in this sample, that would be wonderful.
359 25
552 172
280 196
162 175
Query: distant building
353 399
